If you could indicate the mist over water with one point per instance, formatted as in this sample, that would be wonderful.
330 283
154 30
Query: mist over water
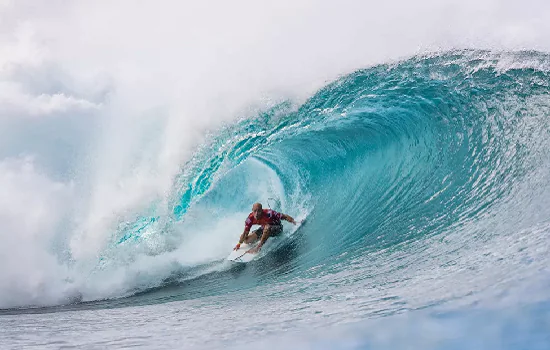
134 137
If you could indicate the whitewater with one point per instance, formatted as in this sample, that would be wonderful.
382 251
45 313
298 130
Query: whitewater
416 153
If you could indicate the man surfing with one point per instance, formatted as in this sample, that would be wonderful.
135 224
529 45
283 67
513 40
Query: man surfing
270 222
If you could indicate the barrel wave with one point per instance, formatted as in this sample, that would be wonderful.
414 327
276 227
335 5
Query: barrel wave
421 182
424 180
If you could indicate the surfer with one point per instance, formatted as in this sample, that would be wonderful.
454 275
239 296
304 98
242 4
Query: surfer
270 222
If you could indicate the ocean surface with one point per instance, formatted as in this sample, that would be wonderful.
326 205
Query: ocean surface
423 185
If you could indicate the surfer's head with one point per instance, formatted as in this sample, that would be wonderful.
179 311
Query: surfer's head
257 210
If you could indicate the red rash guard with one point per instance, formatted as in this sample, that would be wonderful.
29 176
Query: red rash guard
269 217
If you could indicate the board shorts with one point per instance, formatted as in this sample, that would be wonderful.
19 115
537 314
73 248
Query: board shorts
275 231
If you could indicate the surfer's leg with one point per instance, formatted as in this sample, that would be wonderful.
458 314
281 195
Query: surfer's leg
270 231
254 236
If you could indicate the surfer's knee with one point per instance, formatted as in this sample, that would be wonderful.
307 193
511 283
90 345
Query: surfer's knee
268 229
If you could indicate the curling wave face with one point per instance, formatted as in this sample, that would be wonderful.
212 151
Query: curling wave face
407 172
422 181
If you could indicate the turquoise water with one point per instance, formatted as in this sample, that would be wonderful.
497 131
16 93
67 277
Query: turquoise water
424 184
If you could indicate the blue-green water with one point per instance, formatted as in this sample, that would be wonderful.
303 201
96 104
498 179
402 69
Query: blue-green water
424 184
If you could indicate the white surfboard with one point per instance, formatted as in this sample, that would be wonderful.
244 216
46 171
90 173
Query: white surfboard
240 255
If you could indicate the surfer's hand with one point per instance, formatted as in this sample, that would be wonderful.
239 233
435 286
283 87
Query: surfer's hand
237 246
254 250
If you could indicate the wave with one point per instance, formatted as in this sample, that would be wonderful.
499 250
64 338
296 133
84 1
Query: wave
440 146
407 172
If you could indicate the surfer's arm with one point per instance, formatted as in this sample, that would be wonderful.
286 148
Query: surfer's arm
288 218
243 237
